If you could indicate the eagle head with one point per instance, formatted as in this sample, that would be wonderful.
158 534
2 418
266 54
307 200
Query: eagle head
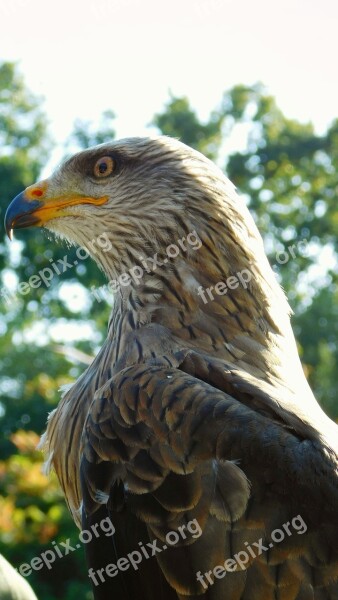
141 193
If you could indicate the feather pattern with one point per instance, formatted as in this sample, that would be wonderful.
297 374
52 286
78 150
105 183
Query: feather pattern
196 408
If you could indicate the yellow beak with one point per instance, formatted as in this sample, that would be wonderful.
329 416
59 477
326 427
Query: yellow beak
32 207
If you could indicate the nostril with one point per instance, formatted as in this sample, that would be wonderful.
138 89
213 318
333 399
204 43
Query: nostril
37 192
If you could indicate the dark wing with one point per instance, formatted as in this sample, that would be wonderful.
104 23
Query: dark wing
165 451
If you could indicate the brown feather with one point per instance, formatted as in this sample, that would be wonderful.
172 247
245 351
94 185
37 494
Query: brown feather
193 409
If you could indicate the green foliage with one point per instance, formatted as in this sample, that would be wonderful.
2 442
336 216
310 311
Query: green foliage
180 121
33 515
22 124
85 134
33 512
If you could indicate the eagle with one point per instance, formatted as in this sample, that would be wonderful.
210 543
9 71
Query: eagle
194 430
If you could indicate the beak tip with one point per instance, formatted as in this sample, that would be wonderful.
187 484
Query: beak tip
9 228
20 213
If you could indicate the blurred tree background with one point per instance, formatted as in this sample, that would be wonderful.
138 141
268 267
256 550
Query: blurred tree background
289 177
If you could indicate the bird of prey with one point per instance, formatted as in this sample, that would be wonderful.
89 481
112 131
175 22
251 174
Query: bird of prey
194 429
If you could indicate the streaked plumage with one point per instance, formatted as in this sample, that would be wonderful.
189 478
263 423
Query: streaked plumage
191 410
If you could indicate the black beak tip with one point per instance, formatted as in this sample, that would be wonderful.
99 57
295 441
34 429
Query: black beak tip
9 233
19 214
8 224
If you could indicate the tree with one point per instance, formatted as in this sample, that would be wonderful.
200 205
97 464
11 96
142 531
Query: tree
180 120
86 134
32 509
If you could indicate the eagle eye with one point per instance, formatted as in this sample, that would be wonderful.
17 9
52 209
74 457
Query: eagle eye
104 167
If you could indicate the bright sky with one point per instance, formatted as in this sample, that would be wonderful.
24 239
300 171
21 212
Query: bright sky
85 56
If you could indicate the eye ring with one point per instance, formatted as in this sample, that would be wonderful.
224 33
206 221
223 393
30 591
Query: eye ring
104 167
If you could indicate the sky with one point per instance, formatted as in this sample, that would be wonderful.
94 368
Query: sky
85 56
